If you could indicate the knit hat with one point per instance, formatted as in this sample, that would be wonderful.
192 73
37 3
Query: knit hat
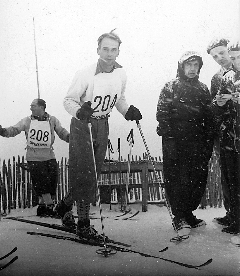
217 42
234 45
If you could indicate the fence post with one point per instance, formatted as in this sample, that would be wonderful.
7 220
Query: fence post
9 186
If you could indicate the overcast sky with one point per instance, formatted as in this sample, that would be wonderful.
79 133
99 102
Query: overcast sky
154 35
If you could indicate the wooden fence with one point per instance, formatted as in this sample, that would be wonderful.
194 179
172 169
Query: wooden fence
16 187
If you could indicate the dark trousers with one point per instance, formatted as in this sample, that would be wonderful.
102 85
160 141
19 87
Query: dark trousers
82 177
44 176
231 172
185 169
224 183
226 193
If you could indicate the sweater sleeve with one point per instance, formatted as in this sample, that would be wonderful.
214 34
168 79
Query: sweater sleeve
73 100
62 133
163 110
12 131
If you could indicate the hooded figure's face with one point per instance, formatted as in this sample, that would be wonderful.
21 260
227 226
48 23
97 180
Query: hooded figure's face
191 68
189 65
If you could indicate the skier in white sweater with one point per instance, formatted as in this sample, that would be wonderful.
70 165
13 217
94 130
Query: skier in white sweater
91 97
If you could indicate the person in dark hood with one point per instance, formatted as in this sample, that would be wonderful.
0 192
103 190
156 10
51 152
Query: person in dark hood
185 122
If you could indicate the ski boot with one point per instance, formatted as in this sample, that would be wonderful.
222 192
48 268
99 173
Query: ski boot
182 226
225 221
87 231
234 228
193 221
65 213
50 212
41 210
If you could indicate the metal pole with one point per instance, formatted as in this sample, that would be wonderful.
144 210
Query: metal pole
109 171
178 238
105 251
36 58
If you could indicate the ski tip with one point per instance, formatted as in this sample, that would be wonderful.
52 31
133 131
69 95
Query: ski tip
164 249
14 249
206 263
9 263
15 258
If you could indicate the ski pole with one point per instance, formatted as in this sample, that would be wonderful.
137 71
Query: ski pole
110 150
105 251
35 47
120 178
178 238
131 142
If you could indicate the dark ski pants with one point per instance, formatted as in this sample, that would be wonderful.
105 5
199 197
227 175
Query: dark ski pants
44 176
224 183
82 177
226 193
231 172
185 169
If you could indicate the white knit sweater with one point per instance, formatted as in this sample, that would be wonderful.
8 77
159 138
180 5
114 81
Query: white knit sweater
103 90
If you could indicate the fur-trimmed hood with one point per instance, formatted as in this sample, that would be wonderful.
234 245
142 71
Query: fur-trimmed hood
188 56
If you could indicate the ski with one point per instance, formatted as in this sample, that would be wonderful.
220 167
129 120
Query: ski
132 216
125 213
8 263
122 249
9 253
126 218
118 217
61 228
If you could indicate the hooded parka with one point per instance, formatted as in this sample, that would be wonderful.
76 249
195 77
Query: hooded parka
186 126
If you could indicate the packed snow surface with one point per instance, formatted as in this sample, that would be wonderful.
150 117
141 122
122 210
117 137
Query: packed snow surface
148 232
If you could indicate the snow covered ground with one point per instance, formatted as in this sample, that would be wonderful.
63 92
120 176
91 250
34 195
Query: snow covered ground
148 232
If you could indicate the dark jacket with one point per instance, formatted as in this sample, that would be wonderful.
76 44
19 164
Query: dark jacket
183 109
227 116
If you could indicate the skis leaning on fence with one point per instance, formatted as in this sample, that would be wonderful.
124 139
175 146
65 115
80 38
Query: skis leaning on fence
9 262
120 249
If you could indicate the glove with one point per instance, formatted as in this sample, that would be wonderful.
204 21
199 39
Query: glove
85 112
133 114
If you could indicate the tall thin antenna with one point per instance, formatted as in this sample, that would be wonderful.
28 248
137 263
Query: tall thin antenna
238 30
36 58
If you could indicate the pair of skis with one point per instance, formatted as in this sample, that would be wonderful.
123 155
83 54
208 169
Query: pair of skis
122 216
111 244
58 227
121 249
9 262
